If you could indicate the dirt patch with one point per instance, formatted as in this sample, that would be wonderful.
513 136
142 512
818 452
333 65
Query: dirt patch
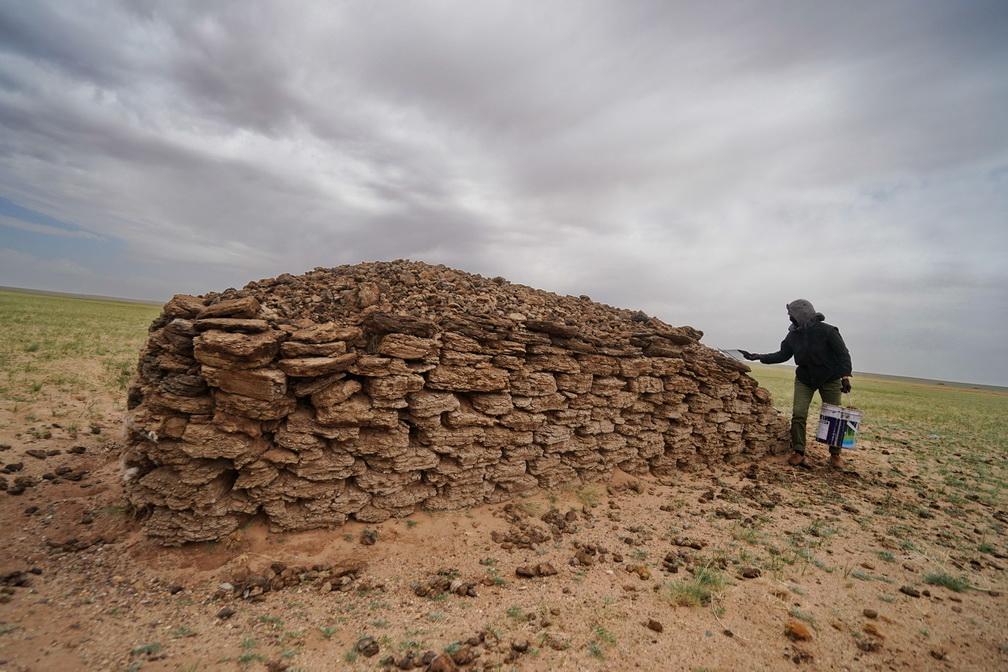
756 566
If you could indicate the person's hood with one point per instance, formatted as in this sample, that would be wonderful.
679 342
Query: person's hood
802 314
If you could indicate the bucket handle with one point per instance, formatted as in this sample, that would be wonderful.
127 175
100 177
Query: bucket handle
850 399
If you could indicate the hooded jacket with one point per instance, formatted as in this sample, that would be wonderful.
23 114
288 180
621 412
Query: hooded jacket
817 347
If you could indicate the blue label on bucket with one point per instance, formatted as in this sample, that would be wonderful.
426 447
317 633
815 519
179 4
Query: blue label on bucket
838 432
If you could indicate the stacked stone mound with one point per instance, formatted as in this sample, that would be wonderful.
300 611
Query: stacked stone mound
373 390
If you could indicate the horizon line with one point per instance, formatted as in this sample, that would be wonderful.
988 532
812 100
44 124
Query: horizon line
155 302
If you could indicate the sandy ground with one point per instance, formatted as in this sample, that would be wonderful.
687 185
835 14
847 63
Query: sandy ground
828 552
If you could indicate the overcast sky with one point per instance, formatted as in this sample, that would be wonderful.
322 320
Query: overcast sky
706 162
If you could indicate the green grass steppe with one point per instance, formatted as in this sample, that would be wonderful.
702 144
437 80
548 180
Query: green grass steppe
935 421
68 344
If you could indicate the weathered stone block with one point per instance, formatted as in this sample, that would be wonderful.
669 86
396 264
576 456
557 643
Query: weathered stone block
291 349
229 350
335 393
492 404
249 407
202 405
599 365
247 326
427 404
207 441
183 305
394 386
460 379
579 383
326 333
532 384
244 307
309 367
357 410
375 367
405 346
264 384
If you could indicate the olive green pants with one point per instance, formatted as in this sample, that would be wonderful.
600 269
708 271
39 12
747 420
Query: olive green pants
829 393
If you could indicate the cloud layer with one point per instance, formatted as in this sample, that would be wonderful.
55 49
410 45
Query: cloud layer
706 163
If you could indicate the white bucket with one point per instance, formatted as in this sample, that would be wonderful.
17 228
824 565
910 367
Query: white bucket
838 426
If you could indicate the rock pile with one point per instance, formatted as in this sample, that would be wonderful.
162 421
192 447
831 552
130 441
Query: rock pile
372 390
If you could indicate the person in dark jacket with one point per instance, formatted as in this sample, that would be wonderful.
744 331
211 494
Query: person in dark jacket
824 365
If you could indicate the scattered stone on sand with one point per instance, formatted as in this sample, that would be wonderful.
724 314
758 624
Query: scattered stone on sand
797 631
910 590
446 581
870 613
537 570
25 482
652 624
642 572
225 613
442 663
367 646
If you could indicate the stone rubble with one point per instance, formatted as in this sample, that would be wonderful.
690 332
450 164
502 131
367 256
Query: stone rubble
375 390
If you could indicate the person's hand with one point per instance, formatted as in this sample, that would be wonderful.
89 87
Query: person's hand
748 355
845 385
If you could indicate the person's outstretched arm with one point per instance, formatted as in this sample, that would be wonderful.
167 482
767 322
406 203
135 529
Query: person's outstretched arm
785 353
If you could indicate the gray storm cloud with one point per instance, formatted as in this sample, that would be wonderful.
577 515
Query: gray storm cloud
704 162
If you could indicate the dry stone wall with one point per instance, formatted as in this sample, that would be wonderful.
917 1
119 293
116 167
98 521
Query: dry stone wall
373 390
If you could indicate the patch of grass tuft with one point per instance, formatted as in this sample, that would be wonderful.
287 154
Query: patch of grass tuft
699 590
957 584
183 631
515 613
150 648
604 636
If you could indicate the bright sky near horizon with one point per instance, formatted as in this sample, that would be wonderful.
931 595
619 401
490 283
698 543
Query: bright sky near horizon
705 162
